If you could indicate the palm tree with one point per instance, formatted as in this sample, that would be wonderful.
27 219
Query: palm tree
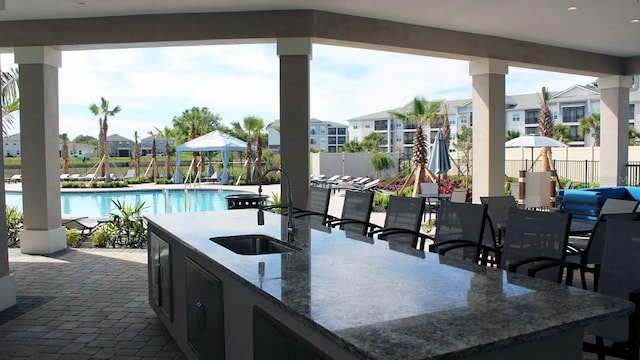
512 134
103 112
250 129
589 124
65 153
446 128
545 125
166 133
633 135
10 99
136 153
352 146
154 165
423 112
561 133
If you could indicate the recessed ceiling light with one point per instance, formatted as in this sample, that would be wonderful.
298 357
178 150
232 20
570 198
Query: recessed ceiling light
635 21
80 2
572 8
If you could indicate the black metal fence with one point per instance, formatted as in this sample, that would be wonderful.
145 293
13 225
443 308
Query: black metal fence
585 171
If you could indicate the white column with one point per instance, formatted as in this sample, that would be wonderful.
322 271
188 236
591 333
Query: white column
39 129
7 281
295 55
488 126
614 129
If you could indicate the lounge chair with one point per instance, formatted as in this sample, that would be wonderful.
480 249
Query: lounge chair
131 173
85 224
64 177
370 186
15 178
215 177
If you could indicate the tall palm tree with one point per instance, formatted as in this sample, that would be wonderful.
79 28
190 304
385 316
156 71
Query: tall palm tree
545 125
423 112
561 133
166 134
250 130
136 154
446 127
103 112
154 165
588 124
65 153
512 134
10 99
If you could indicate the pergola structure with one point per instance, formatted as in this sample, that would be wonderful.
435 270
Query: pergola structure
597 39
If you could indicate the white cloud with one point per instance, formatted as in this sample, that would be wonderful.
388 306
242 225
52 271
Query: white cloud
153 85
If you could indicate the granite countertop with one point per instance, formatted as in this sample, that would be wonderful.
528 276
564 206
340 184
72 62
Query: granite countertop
382 302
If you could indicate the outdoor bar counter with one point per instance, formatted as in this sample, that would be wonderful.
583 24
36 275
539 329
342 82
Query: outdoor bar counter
343 296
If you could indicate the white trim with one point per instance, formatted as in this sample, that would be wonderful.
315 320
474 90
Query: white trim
43 242
38 55
7 291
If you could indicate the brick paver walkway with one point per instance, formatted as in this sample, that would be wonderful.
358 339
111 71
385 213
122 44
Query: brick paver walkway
83 304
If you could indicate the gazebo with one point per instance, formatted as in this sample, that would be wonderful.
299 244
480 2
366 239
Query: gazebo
213 141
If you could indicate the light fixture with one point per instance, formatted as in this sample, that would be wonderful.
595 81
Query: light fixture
634 21
572 8
80 2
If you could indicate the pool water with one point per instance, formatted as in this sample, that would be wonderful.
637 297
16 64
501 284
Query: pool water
98 204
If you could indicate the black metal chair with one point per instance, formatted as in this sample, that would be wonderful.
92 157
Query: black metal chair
460 223
317 205
356 212
532 238
402 222
620 277
589 251
498 211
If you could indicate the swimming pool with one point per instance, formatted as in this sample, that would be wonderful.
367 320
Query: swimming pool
98 204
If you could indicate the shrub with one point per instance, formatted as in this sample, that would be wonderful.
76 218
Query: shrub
130 230
380 200
74 238
14 224
103 236
161 181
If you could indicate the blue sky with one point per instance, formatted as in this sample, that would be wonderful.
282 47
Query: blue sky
153 85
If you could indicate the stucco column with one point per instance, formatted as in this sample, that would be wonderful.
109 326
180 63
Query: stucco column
7 280
295 54
488 126
39 128
614 129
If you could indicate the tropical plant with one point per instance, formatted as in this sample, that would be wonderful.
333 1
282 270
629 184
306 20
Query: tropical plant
129 228
85 139
372 142
65 153
545 125
193 123
464 145
423 112
381 161
154 164
591 124
352 146
561 133
166 134
9 92
103 112
446 128
136 154
250 130
14 219
512 134
103 236
633 135
74 238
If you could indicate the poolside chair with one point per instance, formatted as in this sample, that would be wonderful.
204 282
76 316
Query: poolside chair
459 223
64 177
426 189
402 222
75 177
619 277
356 212
618 206
15 178
317 205
370 186
459 195
498 211
85 224
131 173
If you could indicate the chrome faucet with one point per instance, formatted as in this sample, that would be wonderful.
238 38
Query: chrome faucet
291 228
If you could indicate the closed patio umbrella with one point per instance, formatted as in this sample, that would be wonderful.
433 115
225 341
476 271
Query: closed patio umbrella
439 162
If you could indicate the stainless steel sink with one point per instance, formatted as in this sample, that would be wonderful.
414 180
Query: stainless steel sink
253 244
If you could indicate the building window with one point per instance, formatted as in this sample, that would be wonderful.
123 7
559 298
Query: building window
367 126
380 125
632 111
463 119
313 131
332 140
332 131
313 141
515 117
531 116
342 131
342 139
354 126
572 114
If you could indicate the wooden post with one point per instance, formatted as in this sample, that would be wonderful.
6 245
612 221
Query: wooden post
552 188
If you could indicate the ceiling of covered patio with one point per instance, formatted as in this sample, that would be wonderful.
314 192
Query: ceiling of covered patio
595 27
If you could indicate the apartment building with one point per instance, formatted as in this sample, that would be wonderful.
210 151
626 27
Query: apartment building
324 136
567 107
